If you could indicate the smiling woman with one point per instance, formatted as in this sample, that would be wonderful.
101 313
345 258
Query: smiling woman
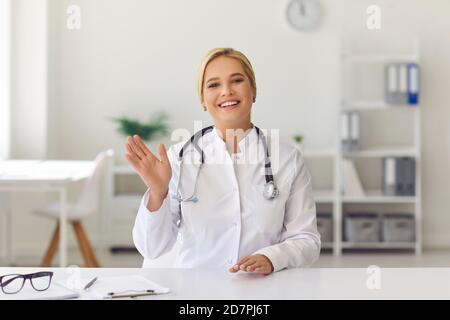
231 211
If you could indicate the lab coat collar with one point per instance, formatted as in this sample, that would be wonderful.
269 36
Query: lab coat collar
215 149
251 149
248 140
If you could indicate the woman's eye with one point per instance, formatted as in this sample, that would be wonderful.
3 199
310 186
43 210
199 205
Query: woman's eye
213 85
238 80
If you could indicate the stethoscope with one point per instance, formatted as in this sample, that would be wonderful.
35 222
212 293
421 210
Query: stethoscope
270 189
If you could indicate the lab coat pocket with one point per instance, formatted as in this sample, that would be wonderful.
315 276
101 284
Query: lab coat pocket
268 215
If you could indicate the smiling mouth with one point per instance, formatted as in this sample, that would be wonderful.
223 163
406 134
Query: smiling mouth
229 104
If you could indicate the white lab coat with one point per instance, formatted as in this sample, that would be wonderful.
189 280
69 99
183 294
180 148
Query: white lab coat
232 219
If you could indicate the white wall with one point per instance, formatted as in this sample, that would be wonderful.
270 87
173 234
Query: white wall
29 79
136 57
29 85
5 77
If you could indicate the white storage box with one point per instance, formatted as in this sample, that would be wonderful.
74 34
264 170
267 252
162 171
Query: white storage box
325 227
362 227
398 227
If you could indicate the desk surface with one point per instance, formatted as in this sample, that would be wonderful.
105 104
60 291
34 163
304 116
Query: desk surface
293 284
36 171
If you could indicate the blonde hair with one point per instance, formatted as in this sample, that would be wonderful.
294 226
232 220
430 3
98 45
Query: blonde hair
226 52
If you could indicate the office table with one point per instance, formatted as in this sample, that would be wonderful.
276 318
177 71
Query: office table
291 284
35 175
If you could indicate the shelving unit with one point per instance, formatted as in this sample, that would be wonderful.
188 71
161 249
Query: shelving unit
376 198
332 198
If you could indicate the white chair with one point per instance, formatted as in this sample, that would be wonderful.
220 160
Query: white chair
87 204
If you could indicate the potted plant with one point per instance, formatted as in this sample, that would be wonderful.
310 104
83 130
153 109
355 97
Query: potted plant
157 126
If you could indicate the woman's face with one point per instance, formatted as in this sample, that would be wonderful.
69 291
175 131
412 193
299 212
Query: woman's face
227 92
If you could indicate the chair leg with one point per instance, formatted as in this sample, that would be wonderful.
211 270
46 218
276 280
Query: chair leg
85 246
47 260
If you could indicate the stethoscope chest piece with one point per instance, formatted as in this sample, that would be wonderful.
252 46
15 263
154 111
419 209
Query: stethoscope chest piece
270 191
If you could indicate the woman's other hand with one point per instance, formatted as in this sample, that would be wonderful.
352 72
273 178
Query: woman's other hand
257 263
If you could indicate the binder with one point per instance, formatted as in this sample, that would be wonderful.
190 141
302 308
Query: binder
413 84
403 83
399 177
389 176
391 84
354 131
410 176
345 131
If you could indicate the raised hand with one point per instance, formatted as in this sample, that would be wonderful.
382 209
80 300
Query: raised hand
154 173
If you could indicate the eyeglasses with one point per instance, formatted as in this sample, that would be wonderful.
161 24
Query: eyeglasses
13 283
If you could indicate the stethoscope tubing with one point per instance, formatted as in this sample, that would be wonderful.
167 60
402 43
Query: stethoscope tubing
270 192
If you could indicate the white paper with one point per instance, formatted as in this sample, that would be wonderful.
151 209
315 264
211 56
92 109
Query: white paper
123 284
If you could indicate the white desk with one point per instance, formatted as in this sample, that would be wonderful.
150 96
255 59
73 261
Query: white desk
33 175
293 284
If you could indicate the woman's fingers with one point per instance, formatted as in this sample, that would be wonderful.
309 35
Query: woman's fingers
247 263
130 150
134 147
233 269
237 266
243 260
252 266
133 160
255 263
137 147
146 151
163 153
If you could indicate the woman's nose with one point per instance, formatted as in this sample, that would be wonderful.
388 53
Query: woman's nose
227 91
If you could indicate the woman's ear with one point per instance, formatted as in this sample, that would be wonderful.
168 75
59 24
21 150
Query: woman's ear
204 105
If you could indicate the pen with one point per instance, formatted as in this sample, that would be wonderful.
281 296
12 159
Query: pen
113 295
90 283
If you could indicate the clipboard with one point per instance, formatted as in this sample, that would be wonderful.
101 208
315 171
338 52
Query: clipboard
125 287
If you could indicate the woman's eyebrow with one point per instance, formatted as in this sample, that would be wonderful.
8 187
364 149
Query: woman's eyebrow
232 75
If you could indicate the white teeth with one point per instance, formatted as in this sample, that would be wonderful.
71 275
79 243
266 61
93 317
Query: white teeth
229 103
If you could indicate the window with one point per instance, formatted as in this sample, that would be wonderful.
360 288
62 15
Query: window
5 77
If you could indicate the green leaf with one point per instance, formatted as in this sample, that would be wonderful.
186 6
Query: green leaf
147 131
